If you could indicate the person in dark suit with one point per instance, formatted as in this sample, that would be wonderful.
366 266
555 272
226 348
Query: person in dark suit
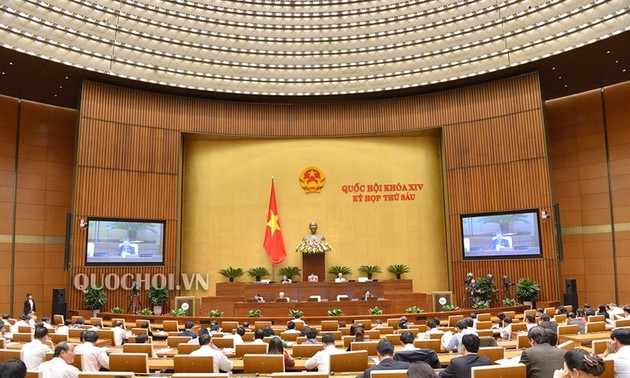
460 366
29 304
410 353
385 351
188 330
366 296
541 359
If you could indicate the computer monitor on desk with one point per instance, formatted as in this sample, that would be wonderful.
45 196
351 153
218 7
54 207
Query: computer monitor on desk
282 299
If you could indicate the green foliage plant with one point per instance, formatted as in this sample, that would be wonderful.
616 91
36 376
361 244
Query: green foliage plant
370 270
258 272
398 270
231 273
290 271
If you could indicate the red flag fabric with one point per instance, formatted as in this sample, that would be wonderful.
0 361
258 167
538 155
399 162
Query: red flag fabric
274 244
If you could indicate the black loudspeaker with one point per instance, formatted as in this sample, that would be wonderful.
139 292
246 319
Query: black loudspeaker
571 286
571 299
59 296
59 309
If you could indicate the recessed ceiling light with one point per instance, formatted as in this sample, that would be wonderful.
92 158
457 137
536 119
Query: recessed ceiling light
66 77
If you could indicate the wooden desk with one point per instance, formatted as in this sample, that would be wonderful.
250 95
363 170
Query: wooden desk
586 337
314 308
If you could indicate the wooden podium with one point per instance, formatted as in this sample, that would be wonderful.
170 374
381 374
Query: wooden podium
314 263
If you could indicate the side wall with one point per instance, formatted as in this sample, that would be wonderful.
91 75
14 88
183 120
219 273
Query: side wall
36 174
589 137
130 145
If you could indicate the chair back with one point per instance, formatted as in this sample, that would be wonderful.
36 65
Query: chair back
571 329
174 341
121 320
393 322
452 319
622 323
263 363
75 333
551 311
135 362
355 361
106 334
299 375
484 317
373 334
7 354
140 322
393 337
58 319
78 359
139 330
25 329
94 320
170 326
367 323
138 348
193 364
336 334
487 341
569 308
289 336
370 346
595 327
132 339
229 326
248 337
262 324
519 327
599 346
610 369
22 337
57 337
33 374
499 371
493 353
185 348
560 318
399 373
106 374
305 350
567 345
438 335
200 375
529 312
251 348
596 318
223 342
434 344
511 314
522 341
485 333
486 324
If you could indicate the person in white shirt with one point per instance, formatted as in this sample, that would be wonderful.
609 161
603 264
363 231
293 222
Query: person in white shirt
455 341
46 322
120 335
220 361
321 359
94 358
23 322
619 350
143 338
506 330
313 278
291 327
61 364
340 278
64 329
431 329
530 321
33 352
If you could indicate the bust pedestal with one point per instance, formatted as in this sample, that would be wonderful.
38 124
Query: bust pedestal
314 263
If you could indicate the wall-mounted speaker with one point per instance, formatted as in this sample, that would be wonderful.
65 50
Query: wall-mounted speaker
441 298
571 286
188 304
58 295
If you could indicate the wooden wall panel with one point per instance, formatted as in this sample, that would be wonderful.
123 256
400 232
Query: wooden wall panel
129 149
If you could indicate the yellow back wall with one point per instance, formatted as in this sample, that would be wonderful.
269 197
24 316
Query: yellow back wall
226 185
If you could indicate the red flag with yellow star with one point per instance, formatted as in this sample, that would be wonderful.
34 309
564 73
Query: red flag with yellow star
274 245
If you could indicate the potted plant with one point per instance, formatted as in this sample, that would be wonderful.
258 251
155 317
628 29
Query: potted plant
117 310
398 270
414 310
290 271
480 305
449 307
335 312
178 312
258 272
336 269
158 296
254 313
375 311
145 311
94 299
215 313
296 313
527 290
486 290
509 302
370 270
231 273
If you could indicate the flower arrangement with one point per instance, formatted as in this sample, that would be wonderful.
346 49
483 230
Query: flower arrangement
117 310
178 312
375 311
414 310
254 313
215 313
449 307
296 313
507 302
313 246
145 311
335 312
480 305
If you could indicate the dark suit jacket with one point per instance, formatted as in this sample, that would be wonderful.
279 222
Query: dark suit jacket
460 366
542 360
386 364
427 355
188 333
27 307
